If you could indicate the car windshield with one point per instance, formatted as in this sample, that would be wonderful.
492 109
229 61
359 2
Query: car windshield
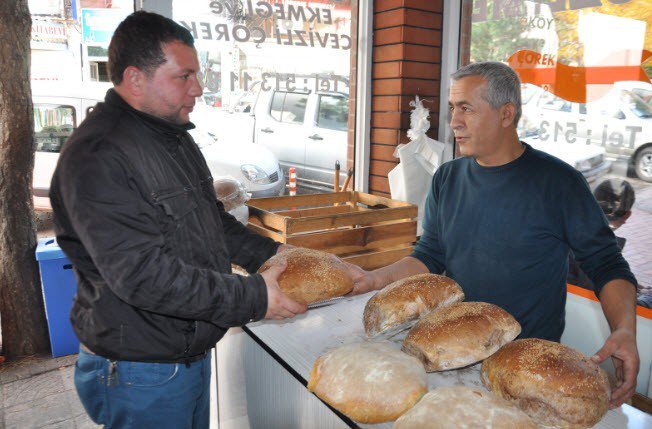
53 124
639 102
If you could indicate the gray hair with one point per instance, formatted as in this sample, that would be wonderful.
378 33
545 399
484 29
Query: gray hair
503 84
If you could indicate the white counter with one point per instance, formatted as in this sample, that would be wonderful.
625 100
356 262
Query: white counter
277 358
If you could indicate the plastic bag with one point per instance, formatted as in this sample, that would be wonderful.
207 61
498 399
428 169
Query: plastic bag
234 196
410 180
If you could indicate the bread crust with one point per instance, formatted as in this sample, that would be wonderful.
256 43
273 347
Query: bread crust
463 407
553 383
403 302
460 334
370 382
311 275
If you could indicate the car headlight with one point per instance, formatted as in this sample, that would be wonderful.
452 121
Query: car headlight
583 165
254 174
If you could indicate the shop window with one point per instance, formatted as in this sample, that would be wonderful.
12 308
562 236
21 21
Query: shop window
99 71
587 97
281 71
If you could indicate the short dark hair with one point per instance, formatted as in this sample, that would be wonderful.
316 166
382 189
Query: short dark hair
616 197
138 41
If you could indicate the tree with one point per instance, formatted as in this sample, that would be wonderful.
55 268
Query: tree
497 39
24 329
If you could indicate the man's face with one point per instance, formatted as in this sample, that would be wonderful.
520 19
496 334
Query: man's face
476 125
170 93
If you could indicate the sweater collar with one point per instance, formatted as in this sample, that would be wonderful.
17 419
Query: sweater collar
512 164
114 99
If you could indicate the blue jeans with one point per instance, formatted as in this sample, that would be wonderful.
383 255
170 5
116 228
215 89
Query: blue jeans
144 395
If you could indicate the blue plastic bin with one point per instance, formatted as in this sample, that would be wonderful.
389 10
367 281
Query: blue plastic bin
59 289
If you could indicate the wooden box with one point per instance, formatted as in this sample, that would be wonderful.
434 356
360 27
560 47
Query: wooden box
363 229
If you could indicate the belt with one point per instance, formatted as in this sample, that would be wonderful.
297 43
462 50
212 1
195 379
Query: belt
188 360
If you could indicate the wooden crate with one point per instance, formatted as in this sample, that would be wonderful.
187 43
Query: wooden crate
364 229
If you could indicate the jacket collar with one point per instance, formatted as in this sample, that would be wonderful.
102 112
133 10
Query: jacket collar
113 98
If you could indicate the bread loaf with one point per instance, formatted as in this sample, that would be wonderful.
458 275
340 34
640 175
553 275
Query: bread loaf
553 383
311 275
230 192
463 407
403 302
371 382
460 334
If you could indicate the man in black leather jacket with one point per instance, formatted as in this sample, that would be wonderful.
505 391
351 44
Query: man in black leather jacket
152 247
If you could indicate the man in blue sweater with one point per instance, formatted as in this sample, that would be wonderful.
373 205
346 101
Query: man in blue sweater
501 220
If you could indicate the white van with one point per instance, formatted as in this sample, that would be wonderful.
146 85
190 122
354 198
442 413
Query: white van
620 122
303 127
58 110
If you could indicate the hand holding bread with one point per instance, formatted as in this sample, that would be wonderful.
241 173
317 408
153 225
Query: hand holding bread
311 275
553 383
621 347
279 306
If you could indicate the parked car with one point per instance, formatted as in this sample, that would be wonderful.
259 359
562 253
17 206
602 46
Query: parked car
588 160
620 122
303 128
255 167
59 110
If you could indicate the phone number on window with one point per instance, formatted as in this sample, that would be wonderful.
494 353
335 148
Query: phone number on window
290 82
568 131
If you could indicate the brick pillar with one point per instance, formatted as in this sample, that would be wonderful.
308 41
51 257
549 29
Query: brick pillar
406 62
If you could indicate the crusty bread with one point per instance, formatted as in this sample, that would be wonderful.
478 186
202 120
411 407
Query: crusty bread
401 303
463 407
230 192
371 382
553 383
311 275
460 334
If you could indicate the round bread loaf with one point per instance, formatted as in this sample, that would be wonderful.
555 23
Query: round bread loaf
553 383
463 407
460 334
401 303
311 275
371 382
230 192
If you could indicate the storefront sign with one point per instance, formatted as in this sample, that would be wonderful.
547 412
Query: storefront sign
284 15
98 25
517 8
46 7
569 82
48 35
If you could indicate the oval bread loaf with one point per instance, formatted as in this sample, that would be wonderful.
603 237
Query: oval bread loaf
460 334
553 383
403 302
463 407
371 382
311 275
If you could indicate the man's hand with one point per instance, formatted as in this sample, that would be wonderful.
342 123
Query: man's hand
284 247
279 306
363 281
621 346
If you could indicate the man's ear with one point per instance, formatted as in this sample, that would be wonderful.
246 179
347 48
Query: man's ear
507 114
133 80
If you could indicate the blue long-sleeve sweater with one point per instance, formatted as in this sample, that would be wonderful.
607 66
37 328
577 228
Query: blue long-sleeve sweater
504 233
